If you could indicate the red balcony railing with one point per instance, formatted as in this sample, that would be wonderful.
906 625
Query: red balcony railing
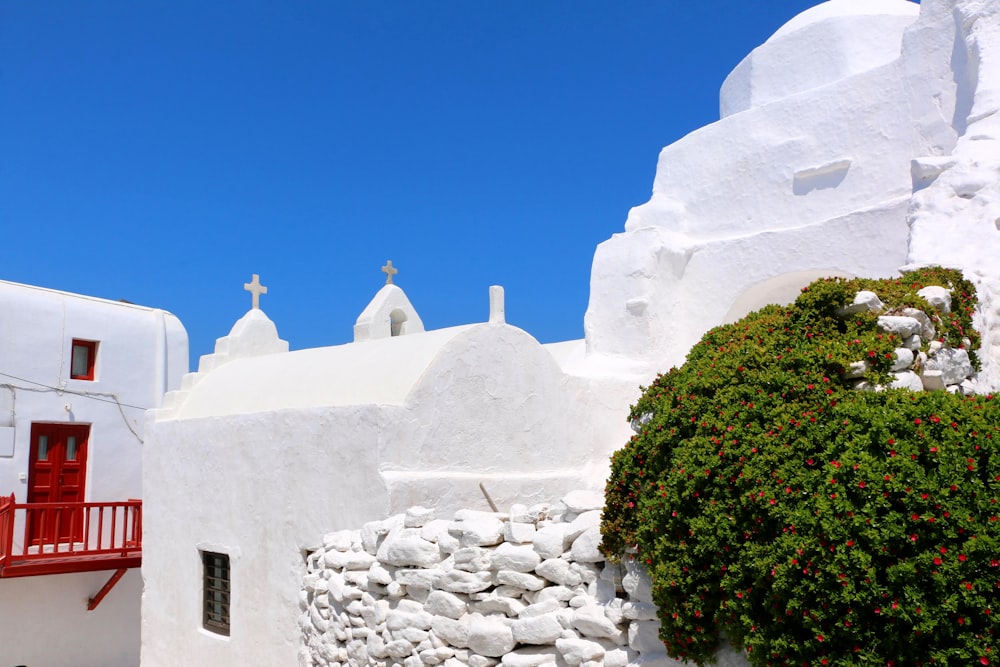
55 538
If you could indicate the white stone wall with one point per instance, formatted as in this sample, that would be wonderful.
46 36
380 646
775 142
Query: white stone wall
922 362
524 588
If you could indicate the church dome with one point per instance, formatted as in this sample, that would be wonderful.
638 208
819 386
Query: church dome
833 9
827 43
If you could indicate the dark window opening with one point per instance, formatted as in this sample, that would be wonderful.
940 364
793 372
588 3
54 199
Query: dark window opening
215 585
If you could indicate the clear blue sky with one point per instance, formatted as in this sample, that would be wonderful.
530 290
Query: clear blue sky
162 151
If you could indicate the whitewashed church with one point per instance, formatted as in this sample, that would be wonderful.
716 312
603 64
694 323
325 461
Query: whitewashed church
861 137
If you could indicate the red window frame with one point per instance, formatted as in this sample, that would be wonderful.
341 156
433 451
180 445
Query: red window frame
91 347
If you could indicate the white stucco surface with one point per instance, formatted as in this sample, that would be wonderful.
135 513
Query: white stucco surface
382 371
825 44
141 353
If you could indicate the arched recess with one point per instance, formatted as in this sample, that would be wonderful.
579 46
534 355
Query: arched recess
782 290
397 322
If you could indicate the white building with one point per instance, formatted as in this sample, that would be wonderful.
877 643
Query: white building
76 376
855 133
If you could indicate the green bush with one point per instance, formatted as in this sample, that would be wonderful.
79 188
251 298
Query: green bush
810 523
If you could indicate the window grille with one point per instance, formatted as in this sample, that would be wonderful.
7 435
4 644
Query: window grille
216 588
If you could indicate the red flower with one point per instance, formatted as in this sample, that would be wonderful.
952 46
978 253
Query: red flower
917 421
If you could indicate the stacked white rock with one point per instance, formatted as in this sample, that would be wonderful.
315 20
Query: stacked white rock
922 361
525 588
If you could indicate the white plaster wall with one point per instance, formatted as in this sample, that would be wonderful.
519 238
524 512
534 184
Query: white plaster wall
818 179
491 407
142 353
808 158
832 41
263 487
674 293
44 621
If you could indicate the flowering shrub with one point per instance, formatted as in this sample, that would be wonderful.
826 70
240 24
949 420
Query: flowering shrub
810 523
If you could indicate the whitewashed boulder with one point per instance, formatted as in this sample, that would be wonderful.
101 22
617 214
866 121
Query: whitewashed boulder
579 502
550 541
937 296
490 637
398 649
586 520
376 646
519 514
558 570
530 657
458 581
617 657
907 380
373 532
417 517
927 331
578 651
338 541
954 364
419 577
412 635
913 342
559 594
398 619
443 603
517 558
519 533
377 574
541 629
523 580
409 550
586 547
473 559
903 359
478 532
435 656
898 325
864 301
591 621
508 606
455 632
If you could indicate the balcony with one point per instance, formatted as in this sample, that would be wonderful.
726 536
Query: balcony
60 538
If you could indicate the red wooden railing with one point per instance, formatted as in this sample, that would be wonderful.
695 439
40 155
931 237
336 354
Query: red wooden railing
69 537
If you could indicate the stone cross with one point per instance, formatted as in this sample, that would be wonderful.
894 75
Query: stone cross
256 289
389 270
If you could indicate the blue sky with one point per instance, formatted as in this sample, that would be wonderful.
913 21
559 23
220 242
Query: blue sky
162 152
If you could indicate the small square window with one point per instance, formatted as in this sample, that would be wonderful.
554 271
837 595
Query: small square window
215 592
83 359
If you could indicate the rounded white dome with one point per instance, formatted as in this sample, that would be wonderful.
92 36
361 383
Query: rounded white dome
846 8
832 41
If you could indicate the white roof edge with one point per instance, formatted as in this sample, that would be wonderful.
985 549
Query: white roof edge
845 8
84 297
